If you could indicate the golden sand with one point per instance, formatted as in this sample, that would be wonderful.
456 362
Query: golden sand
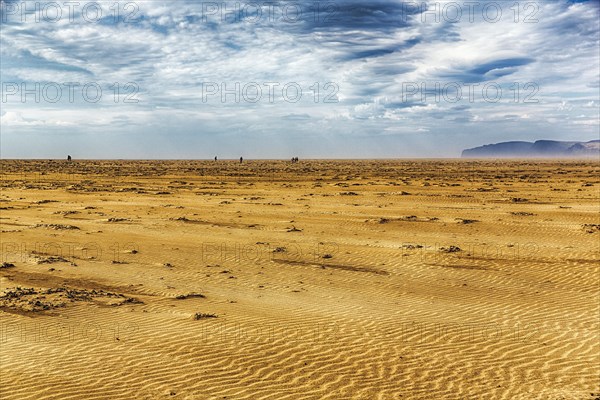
316 280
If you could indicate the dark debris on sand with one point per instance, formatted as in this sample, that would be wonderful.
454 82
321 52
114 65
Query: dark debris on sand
451 249
199 316
34 300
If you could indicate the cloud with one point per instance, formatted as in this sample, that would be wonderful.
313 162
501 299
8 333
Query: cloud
372 53
16 119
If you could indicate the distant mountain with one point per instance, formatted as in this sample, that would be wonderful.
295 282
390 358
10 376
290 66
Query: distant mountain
538 149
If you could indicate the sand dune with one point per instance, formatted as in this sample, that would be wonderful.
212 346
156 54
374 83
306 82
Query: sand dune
318 280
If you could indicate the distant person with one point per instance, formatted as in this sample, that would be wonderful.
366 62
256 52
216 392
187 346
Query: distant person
68 158
215 158
241 160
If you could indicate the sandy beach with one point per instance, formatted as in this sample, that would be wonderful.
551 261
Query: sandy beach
410 279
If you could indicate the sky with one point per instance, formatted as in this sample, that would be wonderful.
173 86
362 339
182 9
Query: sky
329 79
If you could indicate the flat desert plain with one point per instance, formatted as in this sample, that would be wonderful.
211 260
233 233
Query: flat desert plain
414 279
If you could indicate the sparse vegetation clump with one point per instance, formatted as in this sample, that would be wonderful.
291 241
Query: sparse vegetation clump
591 228
113 219
39 299
57 226
51 260
451 249
467 221
190 295
412 246
199 316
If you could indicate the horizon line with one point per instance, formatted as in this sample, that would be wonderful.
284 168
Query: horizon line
306 159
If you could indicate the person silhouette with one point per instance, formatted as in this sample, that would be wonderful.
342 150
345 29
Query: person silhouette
241 160
68 158
215 158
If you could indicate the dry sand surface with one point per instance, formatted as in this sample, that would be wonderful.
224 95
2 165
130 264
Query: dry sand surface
316 280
